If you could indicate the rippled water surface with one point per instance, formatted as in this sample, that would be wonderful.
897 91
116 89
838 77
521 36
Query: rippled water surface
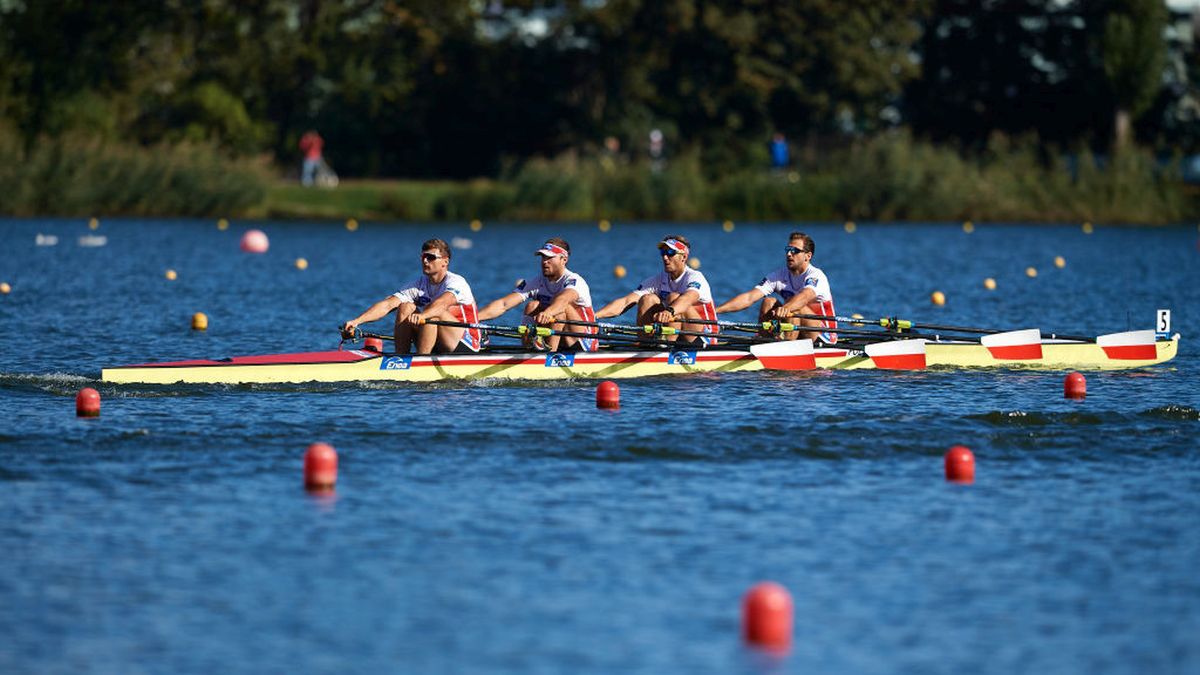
512 527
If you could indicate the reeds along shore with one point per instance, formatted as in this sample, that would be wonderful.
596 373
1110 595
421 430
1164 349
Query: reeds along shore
890 177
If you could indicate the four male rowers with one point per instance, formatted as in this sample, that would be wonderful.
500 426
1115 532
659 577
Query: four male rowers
678 297
556 295
672 296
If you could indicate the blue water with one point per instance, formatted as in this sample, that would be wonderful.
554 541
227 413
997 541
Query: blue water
513 528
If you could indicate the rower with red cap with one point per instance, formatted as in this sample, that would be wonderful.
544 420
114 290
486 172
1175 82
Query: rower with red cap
803 287
673 296
438 294
557 294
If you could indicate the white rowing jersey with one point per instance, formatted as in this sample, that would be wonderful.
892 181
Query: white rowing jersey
663 286
422 291
788 285
543 290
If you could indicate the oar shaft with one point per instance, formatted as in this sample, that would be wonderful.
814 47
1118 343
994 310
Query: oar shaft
905 324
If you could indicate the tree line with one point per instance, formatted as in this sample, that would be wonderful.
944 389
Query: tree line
465 88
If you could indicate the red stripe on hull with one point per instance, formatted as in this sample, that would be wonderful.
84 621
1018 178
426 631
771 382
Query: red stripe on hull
1131 352
900 362
1017 352
799 362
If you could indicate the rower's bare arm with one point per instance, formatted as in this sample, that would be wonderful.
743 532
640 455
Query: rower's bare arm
374 312
497 307
437 308
684 302
619 306
741 301
797 303
560 303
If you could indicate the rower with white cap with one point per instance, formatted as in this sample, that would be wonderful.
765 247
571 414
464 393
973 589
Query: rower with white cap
673 296
555 295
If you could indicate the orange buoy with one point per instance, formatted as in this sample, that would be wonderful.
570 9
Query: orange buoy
320 467
608 395
767 616
960 464
373 345
199 321
255 241
1075 386
87 403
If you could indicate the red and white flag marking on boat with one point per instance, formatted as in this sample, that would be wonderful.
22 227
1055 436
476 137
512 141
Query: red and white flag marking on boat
1134 345
786 355
897 354
1014 345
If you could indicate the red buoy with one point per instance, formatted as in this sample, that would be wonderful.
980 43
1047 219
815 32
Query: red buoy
960 464
608 395
1075 386
87 403
373 345
320 467
767 616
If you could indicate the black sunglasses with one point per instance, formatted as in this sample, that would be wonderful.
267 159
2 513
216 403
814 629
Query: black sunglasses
668 252
792 250
429 257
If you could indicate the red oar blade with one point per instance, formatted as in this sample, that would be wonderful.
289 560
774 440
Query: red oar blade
786 355
1134 345
897 354
1014 345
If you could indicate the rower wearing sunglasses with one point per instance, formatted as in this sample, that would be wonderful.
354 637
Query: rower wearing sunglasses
557 294
803 288
438 294
673 296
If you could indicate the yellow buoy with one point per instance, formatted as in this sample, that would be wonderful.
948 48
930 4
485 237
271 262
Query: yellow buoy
5 289
352 224
93 224
727 226
856 315
604 225
171 275
694 263
1087 228
1031 272
1060 262
850 226
222 224
968 227
301 264
938 298
199 321
619 271
476 225
989 283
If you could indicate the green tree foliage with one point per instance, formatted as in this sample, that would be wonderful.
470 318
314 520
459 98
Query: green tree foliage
1133 53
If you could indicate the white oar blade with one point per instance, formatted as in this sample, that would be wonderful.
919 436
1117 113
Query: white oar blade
786 355
897 354
1014 345
1134 345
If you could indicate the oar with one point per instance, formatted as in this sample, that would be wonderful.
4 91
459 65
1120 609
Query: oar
904 324
540 331
656 329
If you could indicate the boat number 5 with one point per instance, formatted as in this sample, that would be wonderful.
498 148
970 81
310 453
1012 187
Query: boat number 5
1163 325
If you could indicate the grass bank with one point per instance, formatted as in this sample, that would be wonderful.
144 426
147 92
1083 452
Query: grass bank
887 178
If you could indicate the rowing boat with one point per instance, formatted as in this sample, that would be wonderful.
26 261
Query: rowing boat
1013 349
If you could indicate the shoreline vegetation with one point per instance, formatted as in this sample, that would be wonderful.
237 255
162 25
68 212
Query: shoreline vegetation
888 177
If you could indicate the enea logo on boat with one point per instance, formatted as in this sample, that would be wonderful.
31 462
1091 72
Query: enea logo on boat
682 359
560 360
396 363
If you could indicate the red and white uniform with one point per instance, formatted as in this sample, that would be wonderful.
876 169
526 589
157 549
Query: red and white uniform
422 291
788 285
544 291
691 280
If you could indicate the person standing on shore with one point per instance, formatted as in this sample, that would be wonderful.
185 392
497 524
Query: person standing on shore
311 146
